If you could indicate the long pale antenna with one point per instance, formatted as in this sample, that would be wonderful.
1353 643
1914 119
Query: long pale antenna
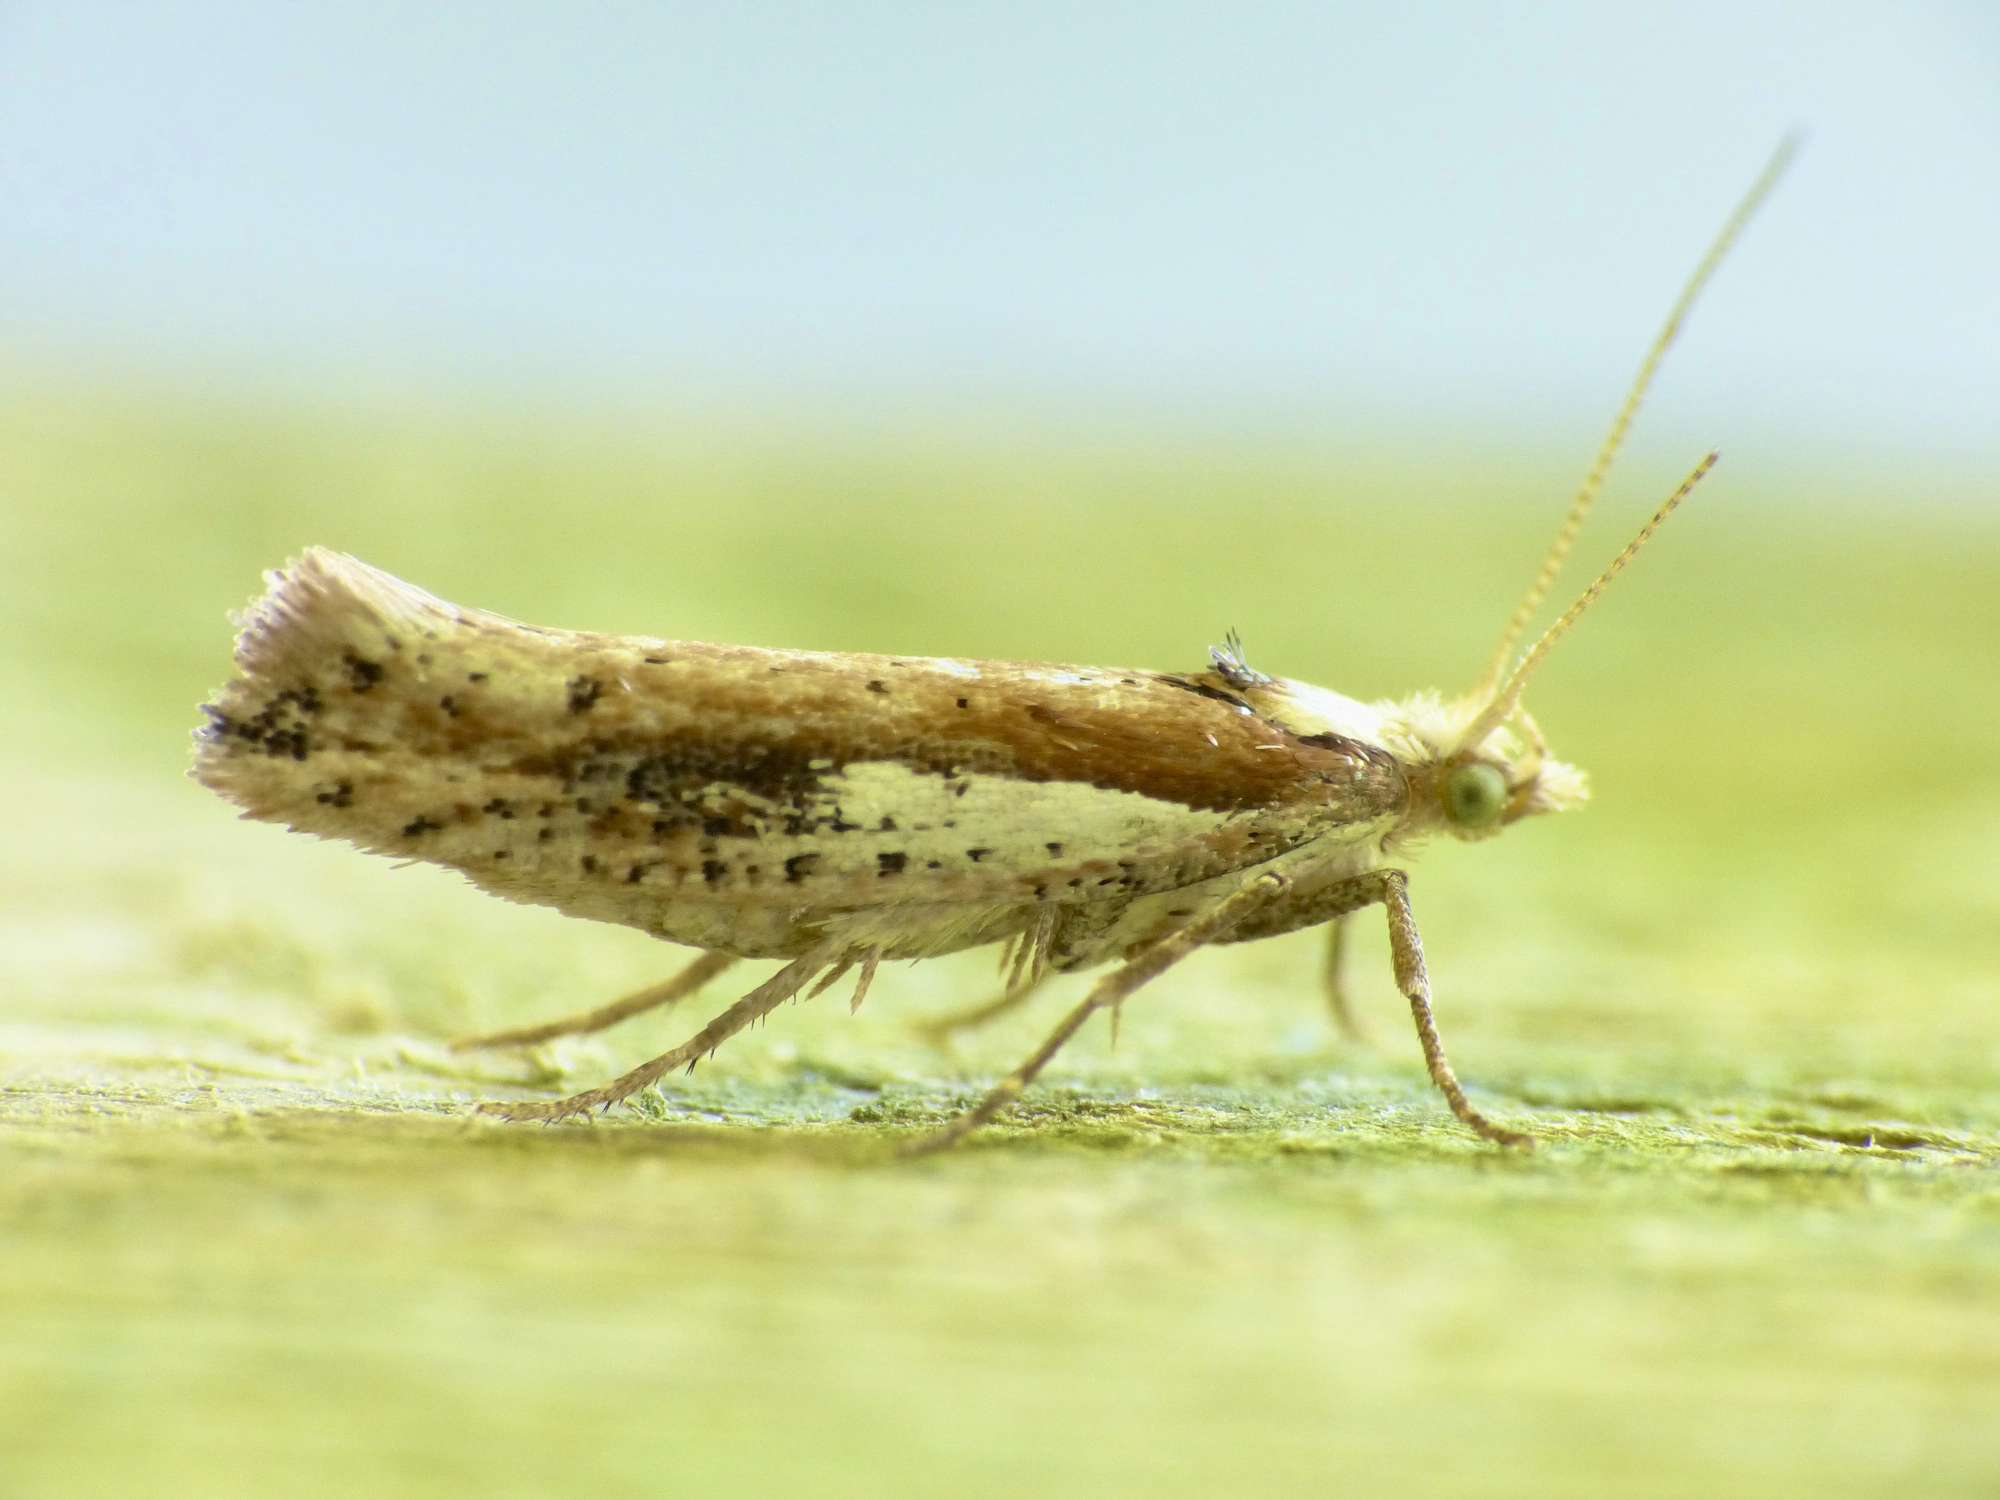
1508 698
1593 482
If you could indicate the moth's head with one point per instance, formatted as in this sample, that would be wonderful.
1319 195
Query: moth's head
1473 789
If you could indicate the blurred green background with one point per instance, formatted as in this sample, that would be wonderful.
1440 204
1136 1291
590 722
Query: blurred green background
1016 332
249 1239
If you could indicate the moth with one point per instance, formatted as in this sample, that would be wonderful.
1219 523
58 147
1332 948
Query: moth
838 811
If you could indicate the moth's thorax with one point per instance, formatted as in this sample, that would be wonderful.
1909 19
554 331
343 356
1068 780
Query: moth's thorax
1306 710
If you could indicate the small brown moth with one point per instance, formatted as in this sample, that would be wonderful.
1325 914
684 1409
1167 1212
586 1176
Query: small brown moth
834 811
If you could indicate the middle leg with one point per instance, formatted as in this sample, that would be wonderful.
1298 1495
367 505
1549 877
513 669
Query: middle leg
1110 991
1333 976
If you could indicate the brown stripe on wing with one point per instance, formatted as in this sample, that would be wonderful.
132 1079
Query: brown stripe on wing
775 715
362 699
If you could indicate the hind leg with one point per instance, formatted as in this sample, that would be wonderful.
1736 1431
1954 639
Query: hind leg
704 968
760 1002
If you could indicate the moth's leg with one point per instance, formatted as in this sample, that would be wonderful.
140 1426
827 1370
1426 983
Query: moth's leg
704 968
948 1027
1111 990
1406 950
1336 984
760 1002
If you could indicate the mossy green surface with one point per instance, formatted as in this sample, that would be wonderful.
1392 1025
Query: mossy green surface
252 1242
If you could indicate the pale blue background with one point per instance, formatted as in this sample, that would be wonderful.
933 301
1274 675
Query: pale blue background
1295 217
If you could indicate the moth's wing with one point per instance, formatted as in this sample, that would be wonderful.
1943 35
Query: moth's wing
606 775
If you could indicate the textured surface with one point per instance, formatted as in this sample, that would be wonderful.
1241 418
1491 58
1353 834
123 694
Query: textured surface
251 1242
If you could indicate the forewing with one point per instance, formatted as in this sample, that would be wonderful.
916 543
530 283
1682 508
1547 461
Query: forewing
607 774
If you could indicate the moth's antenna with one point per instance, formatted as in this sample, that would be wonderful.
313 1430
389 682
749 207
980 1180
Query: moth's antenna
1593 482
1508 698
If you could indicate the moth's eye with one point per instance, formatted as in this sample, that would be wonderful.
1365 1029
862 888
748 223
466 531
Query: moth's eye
1475 795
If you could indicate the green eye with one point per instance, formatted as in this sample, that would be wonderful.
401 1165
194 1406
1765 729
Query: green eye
1475 795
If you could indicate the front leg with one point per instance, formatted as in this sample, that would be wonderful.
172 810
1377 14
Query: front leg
1406 950
1308 905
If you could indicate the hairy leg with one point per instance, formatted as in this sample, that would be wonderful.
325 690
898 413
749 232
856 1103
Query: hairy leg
1390 888
760 1002
1406 952
1339 900
704 968
1110 991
